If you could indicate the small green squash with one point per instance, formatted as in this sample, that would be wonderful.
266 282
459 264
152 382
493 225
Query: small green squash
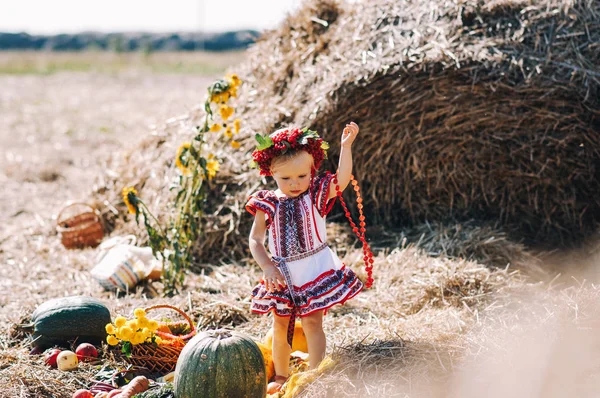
220 364
63 320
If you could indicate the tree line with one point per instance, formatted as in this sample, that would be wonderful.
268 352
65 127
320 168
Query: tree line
126 42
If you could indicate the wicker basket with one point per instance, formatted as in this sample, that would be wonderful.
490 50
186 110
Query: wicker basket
82 228
160 358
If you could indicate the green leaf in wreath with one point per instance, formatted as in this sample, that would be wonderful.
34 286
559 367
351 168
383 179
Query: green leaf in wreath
263 142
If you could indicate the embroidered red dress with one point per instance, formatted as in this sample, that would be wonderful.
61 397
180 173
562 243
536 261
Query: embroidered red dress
297 243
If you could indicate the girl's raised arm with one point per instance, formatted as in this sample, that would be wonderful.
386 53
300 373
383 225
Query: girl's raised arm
345 164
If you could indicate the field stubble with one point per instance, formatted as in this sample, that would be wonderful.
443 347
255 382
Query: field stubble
430 327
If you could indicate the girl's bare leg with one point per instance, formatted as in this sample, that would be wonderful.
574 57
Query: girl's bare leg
281 349
315 337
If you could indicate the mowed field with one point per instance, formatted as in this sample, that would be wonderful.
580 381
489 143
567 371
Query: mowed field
430 327
64 115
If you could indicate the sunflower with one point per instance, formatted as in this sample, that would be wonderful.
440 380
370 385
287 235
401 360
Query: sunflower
220 98
236 126
226 111
179 162
212 166
235 144
234 80
228 133
131 200
232 91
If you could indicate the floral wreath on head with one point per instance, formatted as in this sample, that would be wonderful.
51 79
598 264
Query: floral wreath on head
271 146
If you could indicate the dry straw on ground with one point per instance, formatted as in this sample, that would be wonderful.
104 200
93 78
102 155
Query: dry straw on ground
415 310
467 111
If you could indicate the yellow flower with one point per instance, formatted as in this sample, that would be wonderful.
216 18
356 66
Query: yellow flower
136 338
139 313
142 322
212 166
120 321
236 126
146 333
183 149
130 199
152 325
112 340
226 111
235 144
220 98
133 324
234 80
228 133
126 332
215 127
232 91
110 328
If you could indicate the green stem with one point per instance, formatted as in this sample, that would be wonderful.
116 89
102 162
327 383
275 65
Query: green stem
154 218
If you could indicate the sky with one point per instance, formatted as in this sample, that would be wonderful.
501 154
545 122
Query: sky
70 16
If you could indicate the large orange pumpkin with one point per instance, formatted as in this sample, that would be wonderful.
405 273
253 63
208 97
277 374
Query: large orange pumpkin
298 344
268 357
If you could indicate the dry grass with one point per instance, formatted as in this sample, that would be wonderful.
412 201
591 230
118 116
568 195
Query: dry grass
43 63
426 326
430 326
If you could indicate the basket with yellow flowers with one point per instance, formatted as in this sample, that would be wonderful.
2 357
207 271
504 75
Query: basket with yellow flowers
149 343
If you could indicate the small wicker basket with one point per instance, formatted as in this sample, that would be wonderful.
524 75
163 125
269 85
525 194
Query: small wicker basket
82 228
161 358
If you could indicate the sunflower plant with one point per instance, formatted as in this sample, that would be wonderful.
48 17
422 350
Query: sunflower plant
196 166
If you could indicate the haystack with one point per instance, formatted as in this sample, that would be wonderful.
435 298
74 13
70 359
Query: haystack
468 110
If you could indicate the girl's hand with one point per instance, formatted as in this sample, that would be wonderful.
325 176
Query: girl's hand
273 278
349 134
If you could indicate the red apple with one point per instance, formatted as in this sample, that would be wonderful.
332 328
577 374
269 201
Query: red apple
50 357
86 352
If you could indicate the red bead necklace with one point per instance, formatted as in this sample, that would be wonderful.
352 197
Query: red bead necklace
360 232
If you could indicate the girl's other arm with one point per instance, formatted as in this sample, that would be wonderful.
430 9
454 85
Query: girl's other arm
271 274
345 165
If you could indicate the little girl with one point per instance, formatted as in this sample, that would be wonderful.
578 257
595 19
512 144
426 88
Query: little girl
303 276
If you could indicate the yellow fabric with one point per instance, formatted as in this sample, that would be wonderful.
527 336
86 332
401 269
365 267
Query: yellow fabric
298 381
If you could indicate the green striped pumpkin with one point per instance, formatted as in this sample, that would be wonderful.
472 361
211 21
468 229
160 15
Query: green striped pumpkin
63 320
220 364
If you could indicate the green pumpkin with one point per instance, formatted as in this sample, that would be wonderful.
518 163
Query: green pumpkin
63 320
220 364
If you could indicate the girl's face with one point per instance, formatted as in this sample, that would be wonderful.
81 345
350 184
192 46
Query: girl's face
293 175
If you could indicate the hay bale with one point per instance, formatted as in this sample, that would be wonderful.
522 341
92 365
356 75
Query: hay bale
485 110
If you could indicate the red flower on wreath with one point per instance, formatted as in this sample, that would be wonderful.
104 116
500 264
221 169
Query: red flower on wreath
277 144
